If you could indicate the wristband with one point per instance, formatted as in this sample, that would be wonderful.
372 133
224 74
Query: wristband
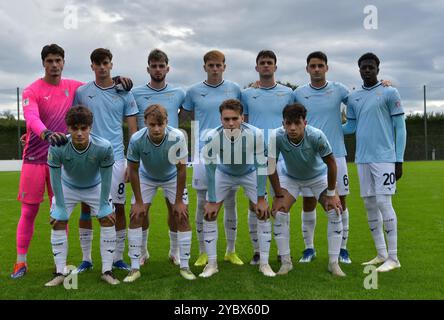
331 193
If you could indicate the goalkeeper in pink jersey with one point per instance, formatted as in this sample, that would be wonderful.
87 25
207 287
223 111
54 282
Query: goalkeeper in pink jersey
45 104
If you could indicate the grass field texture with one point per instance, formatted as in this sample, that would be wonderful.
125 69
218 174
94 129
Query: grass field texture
418 204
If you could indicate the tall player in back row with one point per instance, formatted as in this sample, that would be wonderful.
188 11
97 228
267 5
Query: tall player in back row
158 91
204 99
263 109
110 106
322 100
375 113
45 103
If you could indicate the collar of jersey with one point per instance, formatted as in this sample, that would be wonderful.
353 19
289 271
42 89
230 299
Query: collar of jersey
158 90
269 88
210 85
371 88
151 141
235 140
82 151
294 144
107 88
320 88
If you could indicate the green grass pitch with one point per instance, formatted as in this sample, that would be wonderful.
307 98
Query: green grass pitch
418 204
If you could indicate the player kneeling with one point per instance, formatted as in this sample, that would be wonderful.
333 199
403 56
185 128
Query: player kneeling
163 152
308 163
81 171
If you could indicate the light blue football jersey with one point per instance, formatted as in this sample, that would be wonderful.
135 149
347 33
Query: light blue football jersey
324 111
204 100
303 161
109 107
170 97
373 109
81 169
158 161
264 106
243 155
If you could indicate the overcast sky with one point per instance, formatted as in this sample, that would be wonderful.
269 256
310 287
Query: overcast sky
406 35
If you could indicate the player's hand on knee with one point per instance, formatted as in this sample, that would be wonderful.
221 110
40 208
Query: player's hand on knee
333 203
123 82
278 205
398 170
262 209
180 209
55 138
210 210
109 219
137 211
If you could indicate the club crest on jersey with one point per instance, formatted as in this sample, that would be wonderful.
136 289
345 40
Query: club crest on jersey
26 102
398 104
67 92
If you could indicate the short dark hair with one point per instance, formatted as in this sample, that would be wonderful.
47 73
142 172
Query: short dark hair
317 54
157 111
157 55
100 54
294 112
52 49
266 54
79 115
368 56
232 104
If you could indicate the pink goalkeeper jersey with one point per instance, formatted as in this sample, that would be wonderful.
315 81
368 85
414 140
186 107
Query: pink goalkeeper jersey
44 107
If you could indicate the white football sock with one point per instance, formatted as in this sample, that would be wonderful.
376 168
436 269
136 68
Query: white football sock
308 227
135 247
174 247
252 227
282 233
230 220
200 209
59 243
184 241
210 240
385 206
107 247
120 244
86 237
334 235
145 234
264 235
345 221
375 224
